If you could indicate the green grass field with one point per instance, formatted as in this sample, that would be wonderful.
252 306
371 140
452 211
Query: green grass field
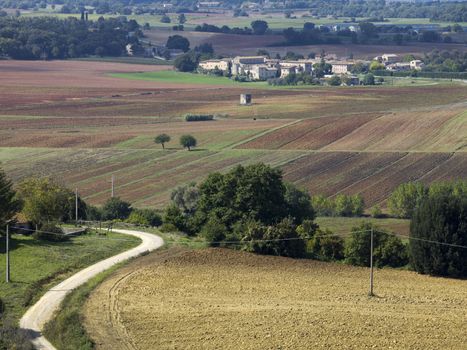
38 265
343 225
123 59
275 21
184 78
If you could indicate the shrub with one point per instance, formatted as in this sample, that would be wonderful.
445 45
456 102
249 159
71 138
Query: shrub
326 246
214 231
376 212
167 228
280 239
145 217
387 248
198 117
50 232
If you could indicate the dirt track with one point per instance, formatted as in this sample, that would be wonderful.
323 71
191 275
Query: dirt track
222 299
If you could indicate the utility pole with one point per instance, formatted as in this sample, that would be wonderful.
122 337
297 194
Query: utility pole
113 185
371 263
7 255
76 206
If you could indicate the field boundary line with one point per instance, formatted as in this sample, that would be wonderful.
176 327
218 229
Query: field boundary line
263 133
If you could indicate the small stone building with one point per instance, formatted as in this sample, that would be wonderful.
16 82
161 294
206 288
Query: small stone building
245 99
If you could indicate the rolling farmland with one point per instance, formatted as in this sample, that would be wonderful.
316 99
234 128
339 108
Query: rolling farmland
221 298
77 123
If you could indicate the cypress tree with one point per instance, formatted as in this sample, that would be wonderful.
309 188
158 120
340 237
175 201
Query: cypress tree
441 217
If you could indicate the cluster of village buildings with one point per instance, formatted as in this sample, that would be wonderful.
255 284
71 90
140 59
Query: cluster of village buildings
263 68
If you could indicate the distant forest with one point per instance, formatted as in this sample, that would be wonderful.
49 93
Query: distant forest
49 37
441 11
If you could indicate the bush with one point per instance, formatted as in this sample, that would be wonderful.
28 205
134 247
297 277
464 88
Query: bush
198 117
441 217
388 250
376 212
280 239
167 228
116 209
214 231
342 205
326 246
145 217
50 232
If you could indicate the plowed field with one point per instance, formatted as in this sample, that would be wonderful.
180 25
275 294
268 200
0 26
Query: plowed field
224 299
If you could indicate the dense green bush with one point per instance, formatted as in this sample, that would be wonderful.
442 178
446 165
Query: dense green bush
116 209
326 246
440 217
280 239
388 250
214 231
145 217
198 117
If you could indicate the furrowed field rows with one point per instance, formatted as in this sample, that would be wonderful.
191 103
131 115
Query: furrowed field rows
374 175
438 130
375 189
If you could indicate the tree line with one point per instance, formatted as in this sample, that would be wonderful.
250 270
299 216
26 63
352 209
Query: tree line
53 38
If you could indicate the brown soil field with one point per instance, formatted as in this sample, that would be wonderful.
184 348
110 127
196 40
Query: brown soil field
436 130
223 44
237 45
329 140
84 89
225 299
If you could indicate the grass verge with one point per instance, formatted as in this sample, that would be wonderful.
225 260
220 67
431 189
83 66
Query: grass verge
65 331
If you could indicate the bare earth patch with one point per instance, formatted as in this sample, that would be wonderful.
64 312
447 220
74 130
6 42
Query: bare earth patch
224 299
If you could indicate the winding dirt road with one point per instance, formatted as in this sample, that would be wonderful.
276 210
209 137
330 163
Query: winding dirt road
41 312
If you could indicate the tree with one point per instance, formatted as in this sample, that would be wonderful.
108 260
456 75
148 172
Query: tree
187 62
335 80
178 42
440 217
44 200
162 139
259 27
116 209
165 19
280 239
375 65
188 141
9 204
405 199
186 197
368 79
298 203
368 29
181 18
388 250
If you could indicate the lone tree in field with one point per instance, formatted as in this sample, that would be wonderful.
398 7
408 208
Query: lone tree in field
188 141
162 139
9 205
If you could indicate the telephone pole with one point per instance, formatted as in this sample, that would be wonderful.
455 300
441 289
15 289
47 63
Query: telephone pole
113 186
371 264
7 255
76 206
